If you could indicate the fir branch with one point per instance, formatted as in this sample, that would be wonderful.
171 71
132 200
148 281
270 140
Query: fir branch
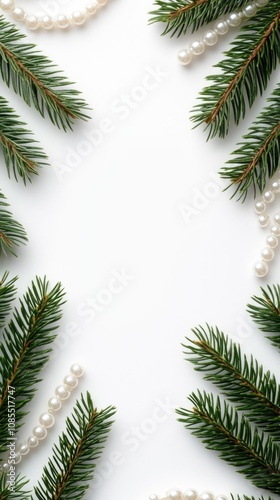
7 295
11 232
25 348
246 70
73 462
259 154
21 155
18 489
219 427
37 80
265 311
242 381
179 15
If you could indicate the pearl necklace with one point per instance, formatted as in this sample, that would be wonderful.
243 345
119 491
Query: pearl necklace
47 419
220 28
267 254
62 21
177 494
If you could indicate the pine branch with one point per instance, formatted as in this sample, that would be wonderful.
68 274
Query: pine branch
7 295
37 80
259 154
18 492
221 429
25 348
266 312
73 462
243 382
11 232
180 15
246 70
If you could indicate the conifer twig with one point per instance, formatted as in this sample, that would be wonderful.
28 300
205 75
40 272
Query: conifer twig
11 232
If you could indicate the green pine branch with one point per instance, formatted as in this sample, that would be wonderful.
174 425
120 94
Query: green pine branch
25 348
265 311
7 296
258 155
18 489
245 72
37 80
74 458
180 15
12 233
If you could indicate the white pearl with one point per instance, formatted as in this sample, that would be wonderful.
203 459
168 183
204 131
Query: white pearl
272 241
174 495
261 269
197 47
78 17
32 22
5 467
54 404
7 5
23 448
267 254
210 37
17 457
234 19
47 420
190 495
261 3
40 432
32 442
221 497
221 27
260 207
77 370
185 56
153 497
275 187
18 14
62 21
70 381
268 196
102 2
206 495
91 8
47 22
276 218
249 10
275 230
62 392
263 220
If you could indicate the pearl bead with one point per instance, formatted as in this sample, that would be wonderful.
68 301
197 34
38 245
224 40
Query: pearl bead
17 457
260 207
197 47
261 3
267 254
249 10
102 2
54 404
5 467
275 230
234 19
78 17
18 14
190 495
47 22
62 392
62 21
32 22
40 432
77 370
174 495
23 448
275 187
276 218
221 497
272 241
153 497
206 495
263 220
47 420
221 27
268 196
91 8
70 381
261 269
210 37
7 5
32 442
185 56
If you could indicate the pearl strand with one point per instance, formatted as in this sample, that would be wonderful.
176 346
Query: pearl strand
177 494
47 419
220 28
267 254
62 21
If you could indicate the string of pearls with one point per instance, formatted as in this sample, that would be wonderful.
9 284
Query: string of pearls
177 494
267 254
221 27
47 419
62 21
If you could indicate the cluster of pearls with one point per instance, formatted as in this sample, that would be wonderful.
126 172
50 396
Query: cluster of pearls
220 28
47 419
267 254
63 21
177 494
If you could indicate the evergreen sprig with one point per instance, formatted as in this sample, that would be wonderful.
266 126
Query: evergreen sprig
12 233
18 488
266 312
74 458
7 296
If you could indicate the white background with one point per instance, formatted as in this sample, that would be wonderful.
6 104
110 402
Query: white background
116 207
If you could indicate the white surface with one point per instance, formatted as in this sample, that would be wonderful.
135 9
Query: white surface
118 209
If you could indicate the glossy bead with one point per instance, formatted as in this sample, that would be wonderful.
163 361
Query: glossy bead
272 241
5 467
221 27
268 196
210 38
221 497
206 495
102 2
62 21
153 497
275 187
47 22
78 18
275 230
197 47
249 10
185 56
77 370
62 392
7 5
47 420
261 3
174 494
32 442
54 404
234 19
40 432
190 495
260 207
70 381
18 14
261 269
17 457
276 218
32 22
23 448
263 220
267 254
91 8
